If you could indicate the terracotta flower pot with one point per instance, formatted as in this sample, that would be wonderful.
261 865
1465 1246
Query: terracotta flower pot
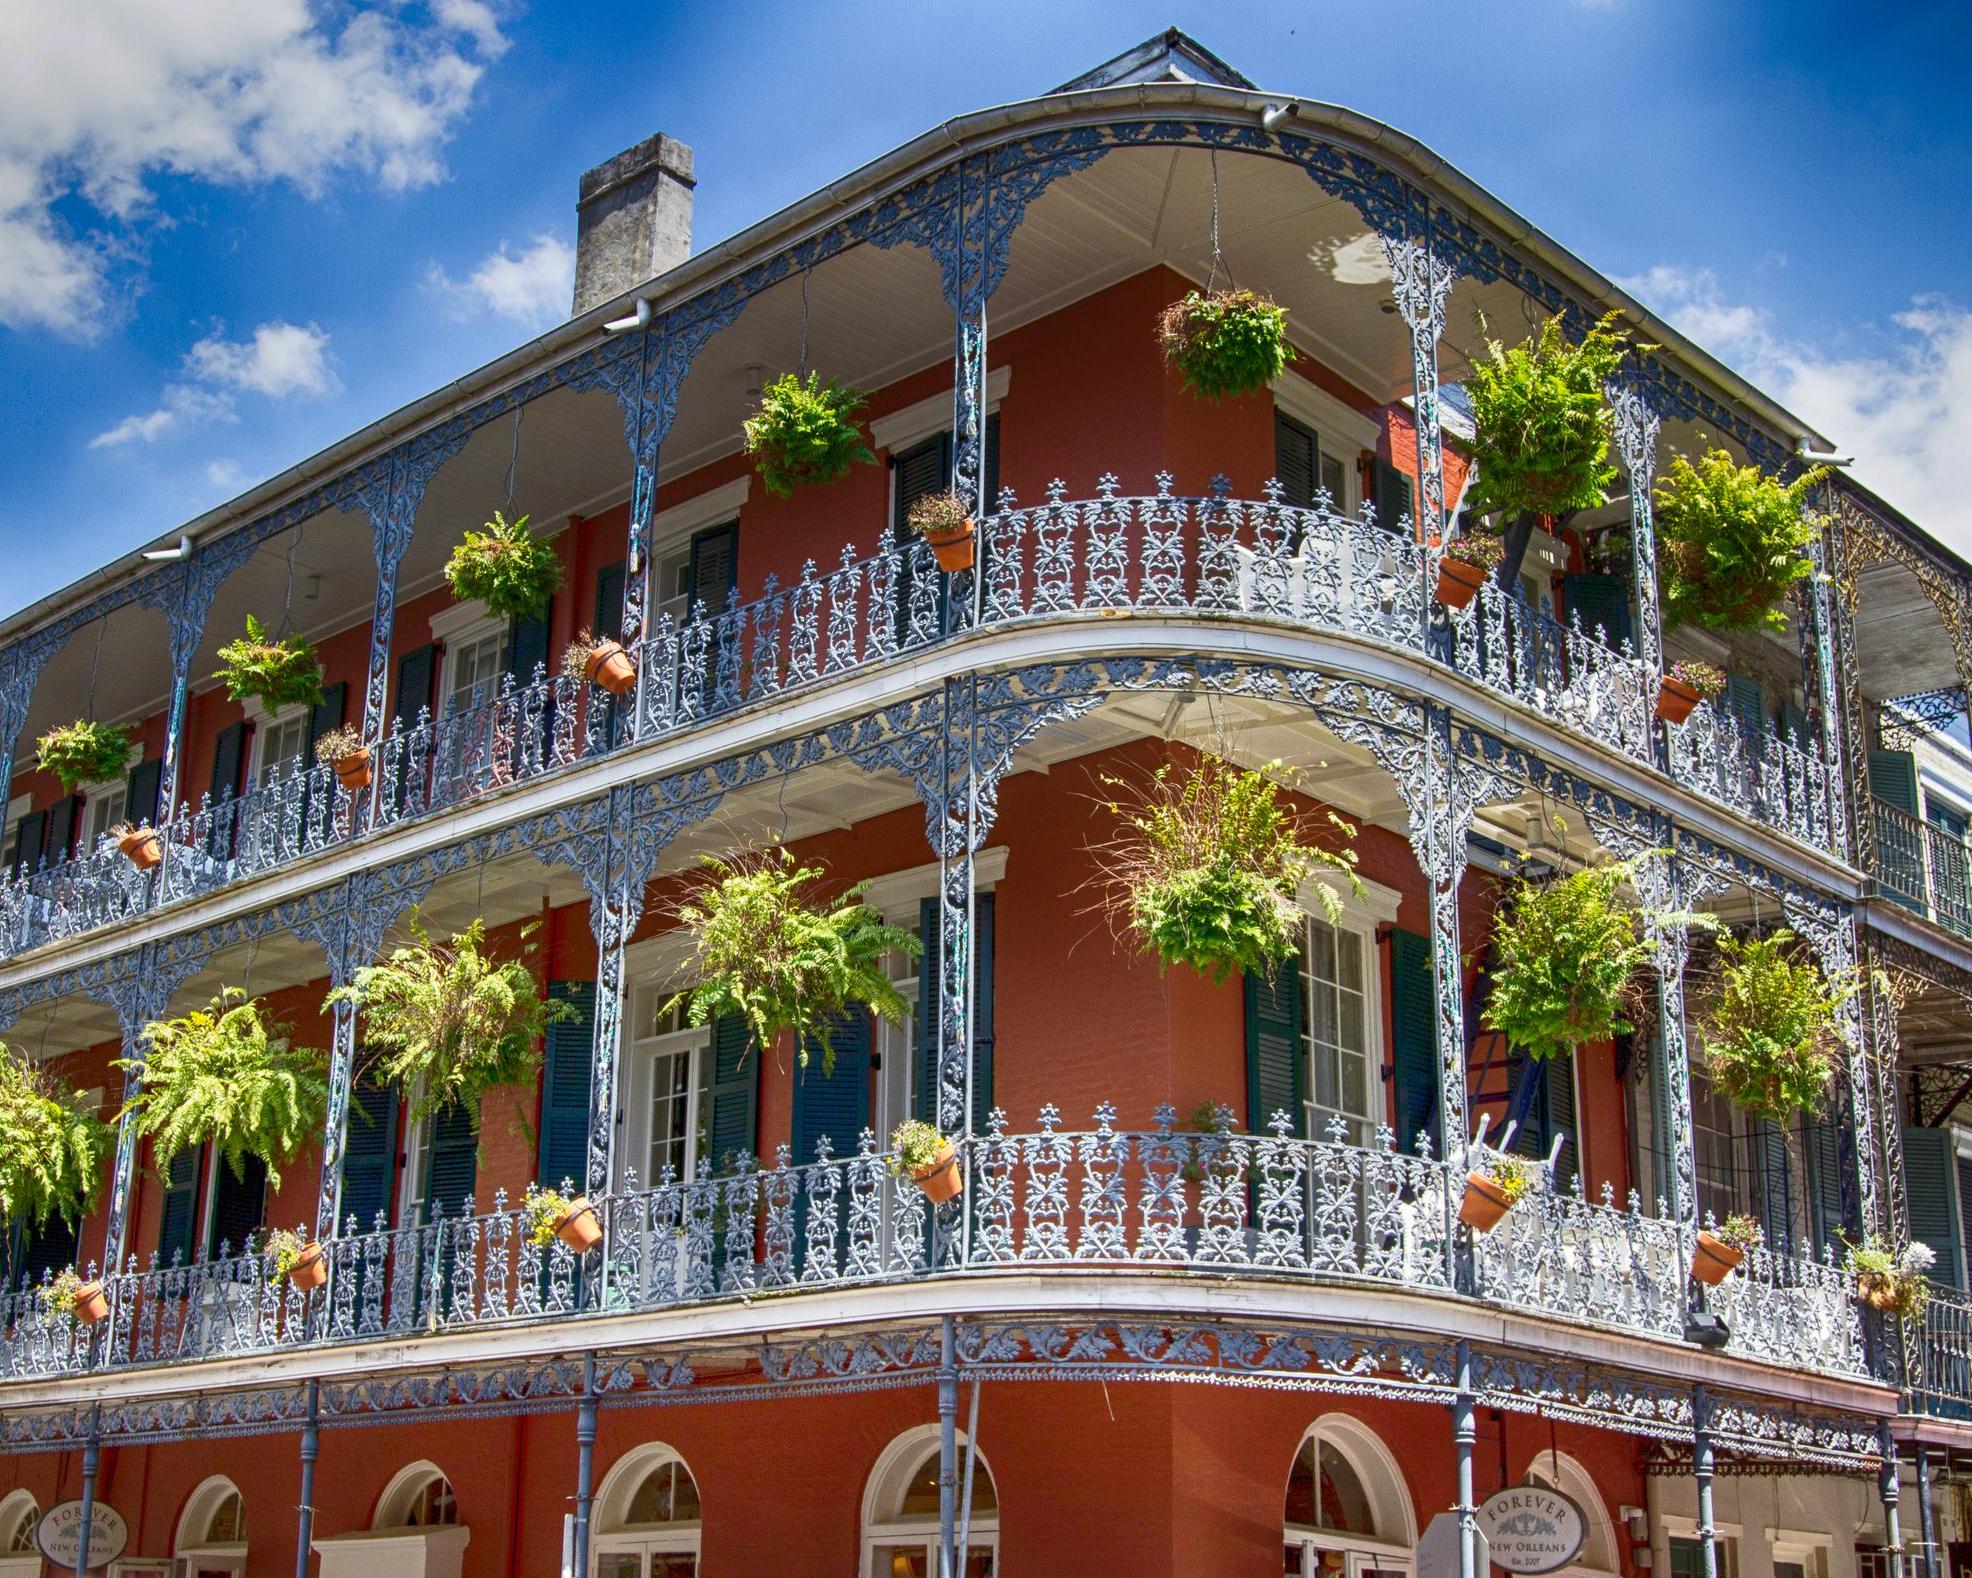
1675 700
92 1303
578 1227
142 847
311 1270
1458 582
353 770
1876 1290
1716 1259
610 667
954 549
1484 1205
940 1178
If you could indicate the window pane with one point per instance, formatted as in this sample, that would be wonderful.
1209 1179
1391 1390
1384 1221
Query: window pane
1349 960
1344 1503
619 1564
1350 1031
903 1561
673 1567
1332 483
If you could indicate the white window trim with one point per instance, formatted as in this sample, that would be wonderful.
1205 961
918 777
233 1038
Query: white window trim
714 507
681 1538
633 1105
896 896
1341 426
458 635
1375 906
264 724
407 1481
915 423
898 1458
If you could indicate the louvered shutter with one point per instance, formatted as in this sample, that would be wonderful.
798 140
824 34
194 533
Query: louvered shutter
735 1125
28 838
1603 602
1794 726
1274 1078
1414 1039
1662 1169
228 761
1776 1175
451 1160
1893 779
1823 1149
1392 495
141 794
1295 461
930 969
566 1097
239 1202
714 568
527 648
837 1104
57 842
1963 1168
417 672
992 464
327 714
1746 701
177 1224
47 1248
1558 1116
369 1157
1930 1157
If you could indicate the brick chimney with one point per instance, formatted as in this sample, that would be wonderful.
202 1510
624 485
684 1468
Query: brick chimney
633 219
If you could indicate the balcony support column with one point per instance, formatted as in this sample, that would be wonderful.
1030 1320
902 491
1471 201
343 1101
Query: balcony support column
1420 282
1701 1471
1885 1047
140 992
1465 1437
311 1447
1636 431
1927 1525
92 1462
183 591
585 1461
1829 929
948 1449
1660 883
390 534
1888 1488
1821 663
20 671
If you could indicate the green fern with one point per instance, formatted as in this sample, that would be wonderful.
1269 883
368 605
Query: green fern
1731 543
280 673
1541 444
52 1145
1770 1034
805 434
506 567
1230 343
84 752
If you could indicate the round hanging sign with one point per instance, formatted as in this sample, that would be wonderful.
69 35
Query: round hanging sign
59 1534
1532 1529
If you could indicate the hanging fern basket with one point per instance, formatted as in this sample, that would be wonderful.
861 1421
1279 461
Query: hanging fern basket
805 433
84 752
506 567
278 674
1226 344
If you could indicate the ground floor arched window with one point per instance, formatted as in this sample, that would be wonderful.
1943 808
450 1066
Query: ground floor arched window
1348 1514
1598 1555
20 1514
212 1532
900 1511
647 1518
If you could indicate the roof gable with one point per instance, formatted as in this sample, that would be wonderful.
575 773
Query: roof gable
1170 56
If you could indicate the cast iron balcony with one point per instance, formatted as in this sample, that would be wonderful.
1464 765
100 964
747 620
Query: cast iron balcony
1923 867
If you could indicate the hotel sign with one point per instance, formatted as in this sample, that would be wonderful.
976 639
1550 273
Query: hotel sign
59 1534
1532 1529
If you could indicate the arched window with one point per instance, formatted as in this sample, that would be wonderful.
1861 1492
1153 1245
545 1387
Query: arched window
1347 1514
1559 1471
900 1511
19 1556
420 1497
647 1518
212 1531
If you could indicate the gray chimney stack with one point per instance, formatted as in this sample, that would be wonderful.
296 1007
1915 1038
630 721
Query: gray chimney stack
633 220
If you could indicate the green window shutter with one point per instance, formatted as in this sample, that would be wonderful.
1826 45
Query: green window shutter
1603 602
714 568
140 795
1963 1168
609 601
924 1083
328 715
1930 1159
735 1124
1824 1155
1296 451
28 839
1414 1038
1776 1178
179 1220
417 673
1275 1078
56 842
1558 1116
1893 779
228 762
369 1155
837 1104
451 1160
1392 496
47 1249
921 469
1661 1168
1794 726
239 1204
566 1099
992 461
527 648
1746 700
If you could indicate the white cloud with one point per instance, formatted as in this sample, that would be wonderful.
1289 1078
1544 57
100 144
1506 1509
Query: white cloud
227 475
180 407
104 96
1902 406
280 359
533 287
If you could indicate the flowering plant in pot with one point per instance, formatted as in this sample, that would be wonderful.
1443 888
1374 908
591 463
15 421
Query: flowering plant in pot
805 433
279 673
1731 542
551 1214
343 752
923 1155
52 1144
783 961
506 567
1684 686
1769 1034
1894 1282
1227 343
1494 1187
600 660
1464 566
141 846
1721 1249
83 752
69 1294
1541 424
290 1255
945 524
1209 863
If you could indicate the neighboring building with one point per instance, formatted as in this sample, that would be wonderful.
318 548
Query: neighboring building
1159 573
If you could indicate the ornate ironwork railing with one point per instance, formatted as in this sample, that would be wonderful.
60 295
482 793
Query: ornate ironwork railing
1308 569
1924 867
1938 1356
1271 1206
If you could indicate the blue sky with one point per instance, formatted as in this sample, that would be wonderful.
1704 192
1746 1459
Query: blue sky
232 231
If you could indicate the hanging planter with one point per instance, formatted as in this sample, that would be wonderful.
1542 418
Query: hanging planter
1684 686
304 1264
52 1145
1891 1282
1208 866
278 673
69 1294
506 567
447 1022
1541 424
600 661
1464 566
783 962
1225 344
343 752
551 1215
1721 1250
1493 1188
1770 1036
945 524
1731 542
141 846
84 752
804 433
221 1076
923 1155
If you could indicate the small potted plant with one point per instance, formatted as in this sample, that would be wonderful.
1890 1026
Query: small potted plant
80 1299
805 433
923 1155
506 567
1229 343
600 661
1684 686
945 524
304 1264
139 845
1732 542
343 752
1464 566
1722 1249
552 1215
280 673
1894 1283
84 752
1493 1188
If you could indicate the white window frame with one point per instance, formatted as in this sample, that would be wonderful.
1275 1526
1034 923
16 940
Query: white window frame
913 424
458 630
619 1488
1341 432
15 1508
406 1487
1672 1525
1362 914
893 1470
637 1063
198 1556
266 725
1382 1480
101 791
